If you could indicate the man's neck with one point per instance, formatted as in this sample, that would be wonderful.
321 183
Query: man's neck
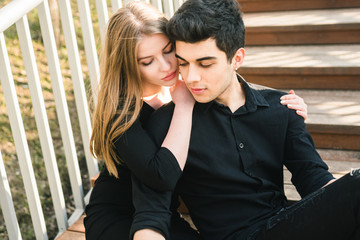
234 98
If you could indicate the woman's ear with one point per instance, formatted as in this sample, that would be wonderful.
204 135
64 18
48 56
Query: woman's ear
238 58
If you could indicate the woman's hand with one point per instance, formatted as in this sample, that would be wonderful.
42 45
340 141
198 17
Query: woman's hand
295 102
181 95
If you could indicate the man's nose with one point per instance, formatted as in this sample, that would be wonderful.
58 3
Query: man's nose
193 74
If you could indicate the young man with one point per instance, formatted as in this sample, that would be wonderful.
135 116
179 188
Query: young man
241 139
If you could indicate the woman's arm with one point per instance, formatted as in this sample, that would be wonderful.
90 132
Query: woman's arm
152 214
178 136
295 102
160 168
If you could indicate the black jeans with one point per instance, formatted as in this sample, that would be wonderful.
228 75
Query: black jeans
330 213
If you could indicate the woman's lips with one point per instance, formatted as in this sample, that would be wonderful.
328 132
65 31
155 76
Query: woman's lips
169 77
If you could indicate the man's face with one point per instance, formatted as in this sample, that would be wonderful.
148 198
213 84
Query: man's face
205 70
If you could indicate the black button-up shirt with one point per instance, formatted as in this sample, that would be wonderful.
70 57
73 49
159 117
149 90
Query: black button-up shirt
233 178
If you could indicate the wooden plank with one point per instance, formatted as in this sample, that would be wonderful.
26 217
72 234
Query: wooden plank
78 226
337 168
335 136
303 67
70 235
339 156
284 5
301 81
75 232
333 26
303 34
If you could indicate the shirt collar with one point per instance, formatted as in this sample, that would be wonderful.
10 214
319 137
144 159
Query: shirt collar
252 95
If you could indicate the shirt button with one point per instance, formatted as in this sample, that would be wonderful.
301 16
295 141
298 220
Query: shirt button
241 145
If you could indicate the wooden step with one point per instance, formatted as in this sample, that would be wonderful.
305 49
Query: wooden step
339 163
304 67
333 26
75 231
285 5
335 136
333 118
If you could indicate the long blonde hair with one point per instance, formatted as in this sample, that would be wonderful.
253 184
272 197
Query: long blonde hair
119 98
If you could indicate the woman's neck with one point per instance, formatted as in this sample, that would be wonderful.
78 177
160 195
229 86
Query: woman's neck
158 99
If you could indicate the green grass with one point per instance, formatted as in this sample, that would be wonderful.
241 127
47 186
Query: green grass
7 146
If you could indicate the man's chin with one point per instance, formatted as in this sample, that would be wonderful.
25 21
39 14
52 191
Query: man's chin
201 99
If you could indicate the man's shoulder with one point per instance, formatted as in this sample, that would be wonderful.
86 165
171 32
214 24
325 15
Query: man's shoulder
266 91
271 95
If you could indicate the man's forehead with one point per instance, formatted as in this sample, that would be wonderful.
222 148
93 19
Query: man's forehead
198 50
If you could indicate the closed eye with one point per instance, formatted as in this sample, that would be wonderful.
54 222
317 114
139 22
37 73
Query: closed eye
146 63
206 65
169 49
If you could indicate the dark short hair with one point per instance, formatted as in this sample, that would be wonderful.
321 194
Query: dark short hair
198 20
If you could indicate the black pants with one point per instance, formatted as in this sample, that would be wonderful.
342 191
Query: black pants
330 213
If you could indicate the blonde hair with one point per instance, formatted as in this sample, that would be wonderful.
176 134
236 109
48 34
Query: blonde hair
120 90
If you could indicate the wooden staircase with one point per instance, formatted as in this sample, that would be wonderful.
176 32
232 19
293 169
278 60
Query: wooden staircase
312 47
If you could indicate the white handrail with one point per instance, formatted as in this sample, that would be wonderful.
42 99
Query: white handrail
103 17
17 128
15 10
90 46
157 4
115 5
7 205
79 87
15 13
168 8
43 127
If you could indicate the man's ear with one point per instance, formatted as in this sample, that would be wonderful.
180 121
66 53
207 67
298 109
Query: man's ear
238 58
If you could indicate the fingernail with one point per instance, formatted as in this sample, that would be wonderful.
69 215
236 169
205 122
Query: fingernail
283 102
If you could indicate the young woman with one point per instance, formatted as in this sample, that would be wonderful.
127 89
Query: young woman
138 64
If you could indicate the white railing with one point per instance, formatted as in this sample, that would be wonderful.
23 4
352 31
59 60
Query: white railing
15 12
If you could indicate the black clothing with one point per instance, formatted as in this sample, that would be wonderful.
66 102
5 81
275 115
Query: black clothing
110 209
233 179
331 213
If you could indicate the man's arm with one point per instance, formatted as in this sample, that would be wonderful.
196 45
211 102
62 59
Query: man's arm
309 171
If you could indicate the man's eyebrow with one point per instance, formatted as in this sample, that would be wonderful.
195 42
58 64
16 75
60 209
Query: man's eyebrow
205 58
150 56
198 60
177 56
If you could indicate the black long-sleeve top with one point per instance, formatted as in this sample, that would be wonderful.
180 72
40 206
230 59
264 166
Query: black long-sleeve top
143 161
233 177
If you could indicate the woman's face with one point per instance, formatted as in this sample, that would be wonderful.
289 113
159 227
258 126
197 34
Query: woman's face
157 63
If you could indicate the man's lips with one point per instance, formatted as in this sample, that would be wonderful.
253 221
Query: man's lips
197 90
169 77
